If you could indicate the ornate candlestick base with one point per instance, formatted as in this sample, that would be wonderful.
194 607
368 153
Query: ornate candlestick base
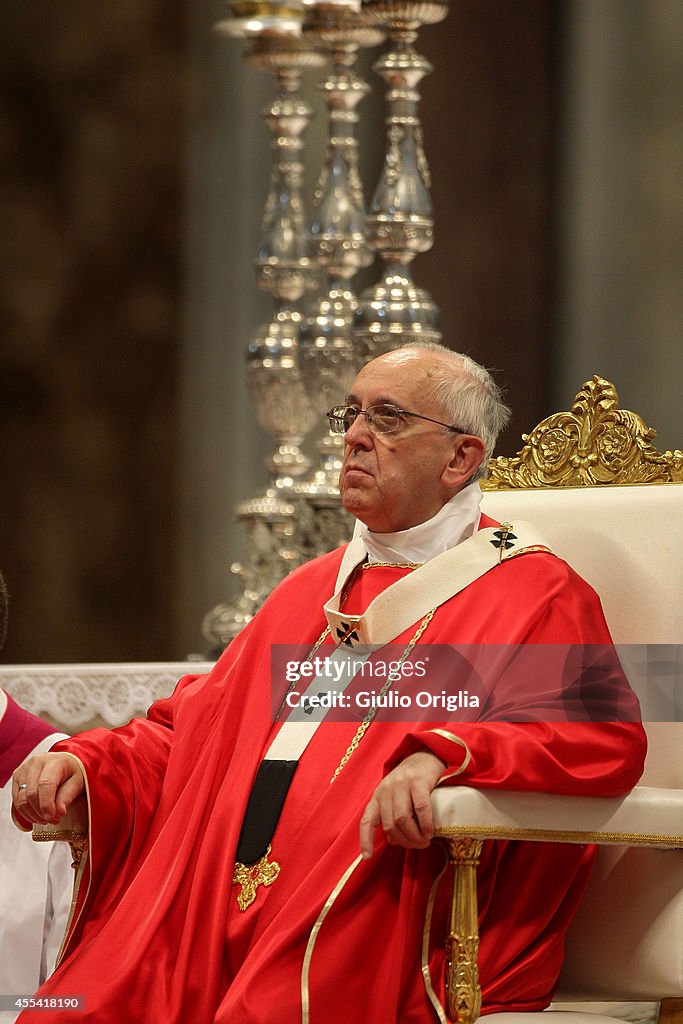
270 526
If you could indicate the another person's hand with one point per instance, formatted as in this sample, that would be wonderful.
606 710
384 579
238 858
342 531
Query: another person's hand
402 804
45 786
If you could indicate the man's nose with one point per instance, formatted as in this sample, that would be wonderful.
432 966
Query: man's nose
359 433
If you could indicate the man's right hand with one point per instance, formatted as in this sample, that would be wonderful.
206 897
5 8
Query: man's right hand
45 786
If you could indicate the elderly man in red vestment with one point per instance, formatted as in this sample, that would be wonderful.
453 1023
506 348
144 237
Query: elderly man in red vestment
224 879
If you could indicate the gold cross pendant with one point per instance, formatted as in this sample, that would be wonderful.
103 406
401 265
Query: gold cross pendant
250 876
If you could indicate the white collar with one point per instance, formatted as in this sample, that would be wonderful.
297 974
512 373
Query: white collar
454 522
3 704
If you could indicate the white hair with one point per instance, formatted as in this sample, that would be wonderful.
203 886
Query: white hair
468 395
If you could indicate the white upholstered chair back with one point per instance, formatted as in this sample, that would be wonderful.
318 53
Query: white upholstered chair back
626 540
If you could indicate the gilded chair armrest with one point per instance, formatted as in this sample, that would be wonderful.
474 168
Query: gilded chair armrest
644 817
73 827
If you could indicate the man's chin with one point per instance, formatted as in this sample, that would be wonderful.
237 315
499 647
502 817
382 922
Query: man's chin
366 513
356 503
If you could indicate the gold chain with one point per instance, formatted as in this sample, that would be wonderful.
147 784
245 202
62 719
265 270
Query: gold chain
393 677
391 565
310 654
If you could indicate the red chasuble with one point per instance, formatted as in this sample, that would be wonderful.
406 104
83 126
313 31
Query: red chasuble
158 937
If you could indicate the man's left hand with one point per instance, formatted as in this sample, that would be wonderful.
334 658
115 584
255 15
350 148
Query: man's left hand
402 804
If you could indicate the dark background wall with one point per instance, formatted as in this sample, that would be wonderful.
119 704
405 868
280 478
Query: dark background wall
92 147
490 122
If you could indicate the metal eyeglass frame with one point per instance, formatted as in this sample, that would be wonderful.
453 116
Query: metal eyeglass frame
338 416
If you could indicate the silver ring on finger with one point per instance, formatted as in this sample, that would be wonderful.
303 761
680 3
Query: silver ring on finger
23 785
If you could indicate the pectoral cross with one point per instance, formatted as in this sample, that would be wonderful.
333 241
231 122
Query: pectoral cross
250 876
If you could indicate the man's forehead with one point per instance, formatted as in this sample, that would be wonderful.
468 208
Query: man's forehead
392 377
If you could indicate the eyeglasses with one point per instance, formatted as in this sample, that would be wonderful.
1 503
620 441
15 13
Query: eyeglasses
382 419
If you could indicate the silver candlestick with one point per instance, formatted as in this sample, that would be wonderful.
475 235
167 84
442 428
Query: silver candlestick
400 222
275 382
277 390
328 353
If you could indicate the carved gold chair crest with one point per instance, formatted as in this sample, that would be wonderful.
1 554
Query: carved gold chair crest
595 443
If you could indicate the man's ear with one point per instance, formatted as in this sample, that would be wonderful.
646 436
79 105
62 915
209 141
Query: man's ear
468 454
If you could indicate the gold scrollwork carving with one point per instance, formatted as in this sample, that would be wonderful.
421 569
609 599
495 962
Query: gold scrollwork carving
595 443
79 847
77 840
463 987
462 980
